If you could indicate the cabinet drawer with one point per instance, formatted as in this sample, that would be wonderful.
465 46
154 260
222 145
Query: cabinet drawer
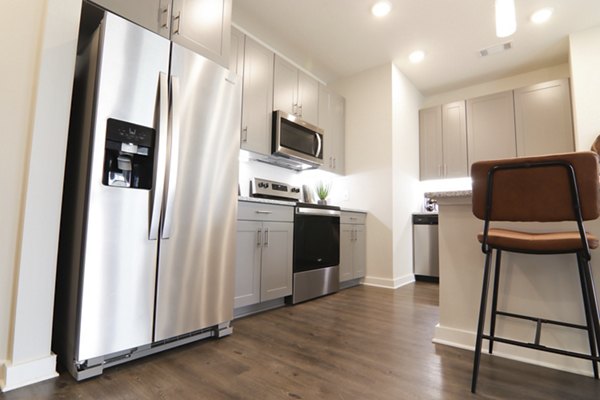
264 212
353 218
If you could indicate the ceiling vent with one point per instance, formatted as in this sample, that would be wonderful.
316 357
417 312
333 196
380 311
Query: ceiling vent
498 48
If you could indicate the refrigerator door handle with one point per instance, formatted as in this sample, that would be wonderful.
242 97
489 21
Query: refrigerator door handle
159 182
173 159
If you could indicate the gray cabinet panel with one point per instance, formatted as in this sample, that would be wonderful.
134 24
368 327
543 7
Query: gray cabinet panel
308 98
146 13
454 140
491 127
257 98
430 143
295 92
543 119
203 26
247 266
353 246
276 273
332 116
236 54
360 252
346 256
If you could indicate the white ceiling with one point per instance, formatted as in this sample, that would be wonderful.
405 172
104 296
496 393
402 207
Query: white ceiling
338 38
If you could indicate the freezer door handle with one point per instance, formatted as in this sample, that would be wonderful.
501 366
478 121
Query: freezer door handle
159 183
173 164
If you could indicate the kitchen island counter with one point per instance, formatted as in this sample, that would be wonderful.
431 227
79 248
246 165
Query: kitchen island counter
544 286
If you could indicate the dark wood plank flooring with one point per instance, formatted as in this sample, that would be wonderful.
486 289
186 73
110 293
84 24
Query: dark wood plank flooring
361 343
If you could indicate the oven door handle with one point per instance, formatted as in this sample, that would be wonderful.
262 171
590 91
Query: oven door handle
318 211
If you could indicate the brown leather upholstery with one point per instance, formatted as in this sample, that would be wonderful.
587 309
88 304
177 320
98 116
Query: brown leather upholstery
554 242
537 194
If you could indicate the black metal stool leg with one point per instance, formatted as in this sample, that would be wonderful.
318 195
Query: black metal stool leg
587 269
481 322
588 311
494 300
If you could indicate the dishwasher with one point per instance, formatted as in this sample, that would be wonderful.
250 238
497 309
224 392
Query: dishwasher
425 247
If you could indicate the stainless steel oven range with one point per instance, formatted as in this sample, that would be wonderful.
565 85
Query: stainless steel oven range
316 241
316 251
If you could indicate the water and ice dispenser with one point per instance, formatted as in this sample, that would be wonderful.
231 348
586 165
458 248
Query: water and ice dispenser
129 155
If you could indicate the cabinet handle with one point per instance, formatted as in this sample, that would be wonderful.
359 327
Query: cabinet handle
245 134
334 162
263 212
300 107
295 109
258 237
267 237
164 17
176 19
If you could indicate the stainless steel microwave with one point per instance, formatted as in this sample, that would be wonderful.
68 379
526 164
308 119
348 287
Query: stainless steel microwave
297 140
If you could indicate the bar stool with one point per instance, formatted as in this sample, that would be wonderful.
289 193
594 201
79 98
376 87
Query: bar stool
558 187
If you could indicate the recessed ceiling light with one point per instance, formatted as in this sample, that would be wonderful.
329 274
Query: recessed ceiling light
381 8
416 56
541 16
506 22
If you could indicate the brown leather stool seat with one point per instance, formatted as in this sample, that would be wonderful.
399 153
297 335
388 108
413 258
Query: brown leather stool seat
551 243
554 188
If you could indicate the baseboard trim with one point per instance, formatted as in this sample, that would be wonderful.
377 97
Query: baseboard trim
466 340
389 283
16 376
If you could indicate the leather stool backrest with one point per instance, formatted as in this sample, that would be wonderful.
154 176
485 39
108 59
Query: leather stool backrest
537 192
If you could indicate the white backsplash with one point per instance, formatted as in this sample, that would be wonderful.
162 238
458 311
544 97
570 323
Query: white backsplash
255 169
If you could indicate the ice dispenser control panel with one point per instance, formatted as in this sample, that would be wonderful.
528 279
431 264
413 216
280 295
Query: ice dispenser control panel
128 155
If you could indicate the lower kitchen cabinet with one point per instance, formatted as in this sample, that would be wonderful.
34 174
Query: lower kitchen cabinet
264 253
353 245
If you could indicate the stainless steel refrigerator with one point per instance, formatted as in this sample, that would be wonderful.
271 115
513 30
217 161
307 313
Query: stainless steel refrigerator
147 248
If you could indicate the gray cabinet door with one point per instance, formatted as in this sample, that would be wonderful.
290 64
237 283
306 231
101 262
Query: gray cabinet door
308 98
257 98
454 140
285 90
236 54
360 251
203 26
332 117
247 264
543 119
276 273
151 14
346 252
430 143
491 127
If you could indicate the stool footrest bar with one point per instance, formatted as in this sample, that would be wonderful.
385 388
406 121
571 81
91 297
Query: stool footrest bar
542 348
541 320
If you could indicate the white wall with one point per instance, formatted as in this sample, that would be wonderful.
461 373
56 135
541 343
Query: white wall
35 105
407 194
368 160
585 85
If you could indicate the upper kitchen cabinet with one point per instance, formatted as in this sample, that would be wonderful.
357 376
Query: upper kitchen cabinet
257 98
332 114
543 119
236 54
295 92
443 141
491 127
202 26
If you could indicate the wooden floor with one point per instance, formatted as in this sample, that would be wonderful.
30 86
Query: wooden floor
361 343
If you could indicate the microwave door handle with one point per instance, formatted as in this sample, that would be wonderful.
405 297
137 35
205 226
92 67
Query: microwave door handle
318 145
159 182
